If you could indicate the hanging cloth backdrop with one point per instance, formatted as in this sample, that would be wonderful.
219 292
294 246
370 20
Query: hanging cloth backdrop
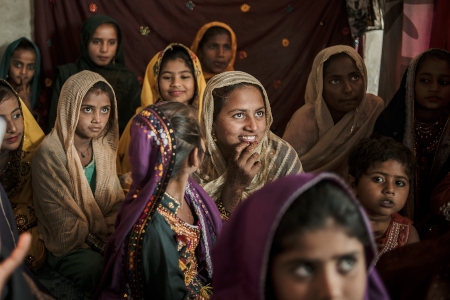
277 40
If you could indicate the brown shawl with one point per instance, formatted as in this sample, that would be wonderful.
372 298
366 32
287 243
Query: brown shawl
321 144
66 208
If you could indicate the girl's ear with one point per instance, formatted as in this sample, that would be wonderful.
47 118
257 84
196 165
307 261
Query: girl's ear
194 159
351 181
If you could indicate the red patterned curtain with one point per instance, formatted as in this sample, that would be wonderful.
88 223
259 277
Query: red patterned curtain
277 40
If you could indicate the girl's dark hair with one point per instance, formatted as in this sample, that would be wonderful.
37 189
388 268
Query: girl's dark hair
379 149
220 95
5 92
187 131
210 33
436 54
105 88
333 57
179 52
24 44
311 211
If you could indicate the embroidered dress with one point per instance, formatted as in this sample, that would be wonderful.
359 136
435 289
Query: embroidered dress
187 237
153 254
395 236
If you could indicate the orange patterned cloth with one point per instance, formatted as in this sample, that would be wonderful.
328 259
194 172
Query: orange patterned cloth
395 236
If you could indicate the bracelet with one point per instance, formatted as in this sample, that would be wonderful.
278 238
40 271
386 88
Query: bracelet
95 243
224 214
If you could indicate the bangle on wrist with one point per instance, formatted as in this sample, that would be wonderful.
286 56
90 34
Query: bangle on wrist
224 214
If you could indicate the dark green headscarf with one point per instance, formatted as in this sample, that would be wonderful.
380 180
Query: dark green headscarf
88 30
6 61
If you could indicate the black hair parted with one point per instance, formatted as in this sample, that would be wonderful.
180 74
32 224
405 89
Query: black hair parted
379 149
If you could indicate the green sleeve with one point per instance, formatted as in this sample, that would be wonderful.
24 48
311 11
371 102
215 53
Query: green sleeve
163 278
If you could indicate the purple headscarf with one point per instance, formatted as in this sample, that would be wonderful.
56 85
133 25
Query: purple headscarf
241 255
152 151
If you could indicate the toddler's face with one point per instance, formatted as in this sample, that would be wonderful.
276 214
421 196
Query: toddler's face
324 263
432 84
384 188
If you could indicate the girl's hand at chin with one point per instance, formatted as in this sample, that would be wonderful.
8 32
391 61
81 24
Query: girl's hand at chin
243 165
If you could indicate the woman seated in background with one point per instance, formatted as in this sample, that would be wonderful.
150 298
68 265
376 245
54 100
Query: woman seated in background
102 53
22 138
337 113
310 239
21 67
167 224
215 45
242 154
173 74
76 190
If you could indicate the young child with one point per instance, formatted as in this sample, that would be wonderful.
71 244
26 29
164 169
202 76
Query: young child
337 113
174 74
418 117
380 173
215 45
309 240
75 187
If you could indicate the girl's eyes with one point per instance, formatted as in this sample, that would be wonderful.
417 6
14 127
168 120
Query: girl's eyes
16 116
260 113
227 47
112 43
377 179
186 77
87 109
355 77
400 183
166 77
17 65
346 263
334 81
105 110
238 115
304 270
31 67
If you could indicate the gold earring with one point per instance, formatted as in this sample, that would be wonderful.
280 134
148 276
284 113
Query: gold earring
214 137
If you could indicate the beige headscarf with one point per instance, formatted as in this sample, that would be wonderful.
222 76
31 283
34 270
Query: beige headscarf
66 208
201 32
321 144
278 158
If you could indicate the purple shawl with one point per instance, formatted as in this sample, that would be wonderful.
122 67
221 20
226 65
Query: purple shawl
152 148
241 255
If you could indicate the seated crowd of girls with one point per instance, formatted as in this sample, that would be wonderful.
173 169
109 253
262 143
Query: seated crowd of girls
128 199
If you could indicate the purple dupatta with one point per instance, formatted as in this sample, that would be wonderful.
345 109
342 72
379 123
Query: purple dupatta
152 151
241 255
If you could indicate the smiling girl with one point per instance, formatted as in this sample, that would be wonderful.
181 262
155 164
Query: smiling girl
23 136
242 153
337 113
174 74
77 193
